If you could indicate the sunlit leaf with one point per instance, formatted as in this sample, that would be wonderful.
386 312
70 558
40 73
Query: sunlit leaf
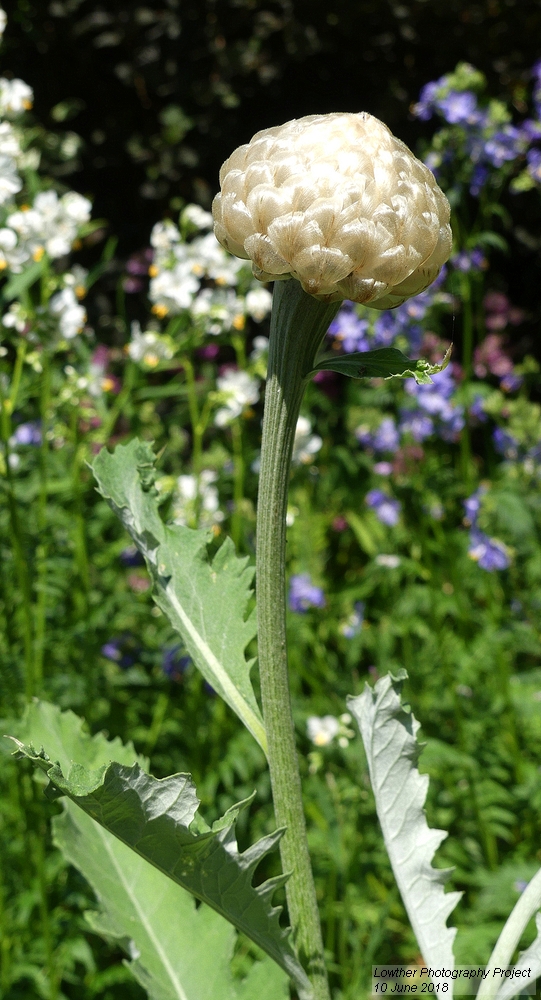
389 733
159 820
205 599
388 362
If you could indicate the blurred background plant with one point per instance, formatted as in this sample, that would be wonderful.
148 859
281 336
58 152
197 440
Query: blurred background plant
415 511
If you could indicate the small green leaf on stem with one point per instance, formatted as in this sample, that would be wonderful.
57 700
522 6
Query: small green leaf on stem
388 362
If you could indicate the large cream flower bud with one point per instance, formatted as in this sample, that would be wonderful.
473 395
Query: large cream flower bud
339 203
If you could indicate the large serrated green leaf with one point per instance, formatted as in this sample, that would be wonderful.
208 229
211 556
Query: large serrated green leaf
158 819
169 940
205 600
389 736
388 362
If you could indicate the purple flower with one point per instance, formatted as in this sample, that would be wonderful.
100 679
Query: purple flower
174 663
533 157
417 424
504 145
208 352
472 505
385 508
121 650
401 322
472 260
511 382
350 329
531 130
427 99
29 433
476 409
459 108
131 556
386 328
504 443
478 179
354 623
451 423
383 468
386 437
303 594
434 400
490 553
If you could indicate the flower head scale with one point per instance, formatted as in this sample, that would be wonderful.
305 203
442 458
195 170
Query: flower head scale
337 202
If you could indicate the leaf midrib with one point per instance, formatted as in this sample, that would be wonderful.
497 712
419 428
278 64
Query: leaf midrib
141 914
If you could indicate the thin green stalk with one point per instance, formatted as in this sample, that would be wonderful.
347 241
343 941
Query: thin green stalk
21 568
299 323
197 429
44 911
41 551
238 482
17 372
467 326
78 488
123 397
198 421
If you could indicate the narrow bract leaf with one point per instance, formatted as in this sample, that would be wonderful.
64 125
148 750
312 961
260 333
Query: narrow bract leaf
529 962
526 905
205 600
158 819
388 362
389 737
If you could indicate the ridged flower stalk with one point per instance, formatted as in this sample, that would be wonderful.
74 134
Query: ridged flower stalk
299 323
329 207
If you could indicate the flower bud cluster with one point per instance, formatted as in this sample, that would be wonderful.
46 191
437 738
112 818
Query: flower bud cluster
337 202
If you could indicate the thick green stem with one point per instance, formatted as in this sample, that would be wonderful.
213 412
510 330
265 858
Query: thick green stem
299 323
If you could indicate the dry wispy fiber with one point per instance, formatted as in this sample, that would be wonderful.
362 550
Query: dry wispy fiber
339 203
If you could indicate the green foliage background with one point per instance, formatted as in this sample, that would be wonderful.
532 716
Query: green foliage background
159 95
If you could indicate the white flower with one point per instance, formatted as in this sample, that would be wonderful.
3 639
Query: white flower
9 143
240 390
305 444
8 239
208 258
149 348
192 493
10 182
15 97
258 303
391 562
220 308
76 279
173 290
260 347
16 317
71 316
75 206
51 225
3 21
322 731
337 202
164 235
197 217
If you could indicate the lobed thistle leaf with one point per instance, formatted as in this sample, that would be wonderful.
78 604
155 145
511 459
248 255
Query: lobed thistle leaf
205 600
115 809
389 734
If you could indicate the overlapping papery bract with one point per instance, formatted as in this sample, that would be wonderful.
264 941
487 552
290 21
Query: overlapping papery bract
337 202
